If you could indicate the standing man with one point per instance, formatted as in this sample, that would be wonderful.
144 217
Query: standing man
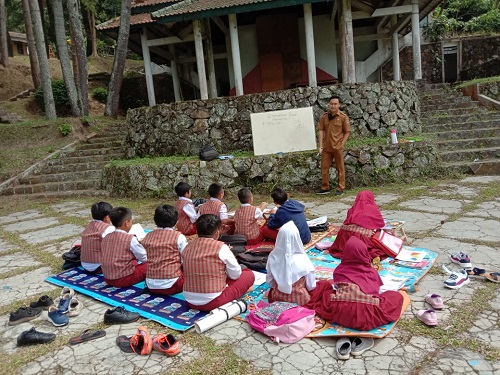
334 129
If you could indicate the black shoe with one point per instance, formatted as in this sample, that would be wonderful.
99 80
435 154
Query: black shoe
119 315
339 192
24 314
44 302
33 337
322 191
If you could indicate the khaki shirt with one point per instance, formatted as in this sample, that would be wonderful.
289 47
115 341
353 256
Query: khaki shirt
334 130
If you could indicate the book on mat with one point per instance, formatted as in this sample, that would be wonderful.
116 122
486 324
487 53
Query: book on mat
403 263
411 255
391 282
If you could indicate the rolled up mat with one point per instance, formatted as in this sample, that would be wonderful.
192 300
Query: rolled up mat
220 315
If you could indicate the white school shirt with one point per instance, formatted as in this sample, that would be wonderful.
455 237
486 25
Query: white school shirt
233 271
91 267
258 212
190 209
167 283
222 209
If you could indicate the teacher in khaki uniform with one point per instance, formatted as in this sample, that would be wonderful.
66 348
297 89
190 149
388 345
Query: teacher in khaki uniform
334 129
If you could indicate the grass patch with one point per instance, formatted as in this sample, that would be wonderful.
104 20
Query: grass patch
477 81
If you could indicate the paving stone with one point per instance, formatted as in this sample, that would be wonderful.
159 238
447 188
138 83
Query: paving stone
31 225
52 234
5 246
453 189
85 214
487 326
336 211
69 206
481 179
472 229
490 210
59 248
458 361
20 216
14 261
380 199
416 221
25 285
433 205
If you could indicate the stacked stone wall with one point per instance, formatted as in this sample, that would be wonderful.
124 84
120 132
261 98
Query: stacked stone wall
491 90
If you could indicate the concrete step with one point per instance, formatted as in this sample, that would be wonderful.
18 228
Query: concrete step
425 103
466 144
64 168
446 105
115 152
96 193
473 132
488 167
454 112
55 186
62 177
100 144
82 159
487 118
441 96
471 155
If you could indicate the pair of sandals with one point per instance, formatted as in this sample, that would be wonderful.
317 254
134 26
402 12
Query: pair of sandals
429 317
480 273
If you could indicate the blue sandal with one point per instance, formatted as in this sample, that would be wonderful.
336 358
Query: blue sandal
494 277
478 273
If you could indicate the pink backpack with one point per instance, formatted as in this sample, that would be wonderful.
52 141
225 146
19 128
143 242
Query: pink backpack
282 321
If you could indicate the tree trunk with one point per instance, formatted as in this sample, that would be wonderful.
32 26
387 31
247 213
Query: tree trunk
35 70
76 71
4 46
62 49
80 50
48 96
115 83
93 33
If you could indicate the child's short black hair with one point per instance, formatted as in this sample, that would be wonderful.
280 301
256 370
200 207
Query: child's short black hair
182 188
215 189
166 216
120 215
207 225
100 210
279 196
244 195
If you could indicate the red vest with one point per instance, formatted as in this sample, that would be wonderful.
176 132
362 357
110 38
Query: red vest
164 259
211 207
204 272
245 222
91 242
299 294
117 258
183 222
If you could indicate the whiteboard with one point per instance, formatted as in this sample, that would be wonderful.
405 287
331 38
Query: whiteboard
283 131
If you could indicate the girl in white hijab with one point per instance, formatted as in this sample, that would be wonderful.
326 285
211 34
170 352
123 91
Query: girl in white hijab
290 273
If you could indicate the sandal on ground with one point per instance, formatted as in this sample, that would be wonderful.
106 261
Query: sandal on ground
123 343
87 335
435 301
493 276
478 273
428 317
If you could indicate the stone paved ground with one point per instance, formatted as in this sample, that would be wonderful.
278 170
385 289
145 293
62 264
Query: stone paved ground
460 215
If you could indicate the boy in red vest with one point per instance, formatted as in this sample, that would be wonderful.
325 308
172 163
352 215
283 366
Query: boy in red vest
246 216
164 246
121 251
212 276
186 209
96 230
216 207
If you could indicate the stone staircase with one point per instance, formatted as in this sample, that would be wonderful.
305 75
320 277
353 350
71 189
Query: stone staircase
77 172
467 135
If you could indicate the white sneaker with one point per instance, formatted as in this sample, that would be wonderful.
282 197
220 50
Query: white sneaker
457 279
343 348
361 345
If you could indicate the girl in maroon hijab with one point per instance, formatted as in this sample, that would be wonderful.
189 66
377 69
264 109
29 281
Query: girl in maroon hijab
362 220
354 300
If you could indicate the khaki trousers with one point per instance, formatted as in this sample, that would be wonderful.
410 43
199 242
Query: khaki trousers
327 158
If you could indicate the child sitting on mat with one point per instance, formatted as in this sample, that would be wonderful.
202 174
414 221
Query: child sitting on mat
290 273
121 251
288 209
212 276
96 230
246 216
186 209
216 207
164 246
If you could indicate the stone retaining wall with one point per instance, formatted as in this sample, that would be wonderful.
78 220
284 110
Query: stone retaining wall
183 128
491 90
364 165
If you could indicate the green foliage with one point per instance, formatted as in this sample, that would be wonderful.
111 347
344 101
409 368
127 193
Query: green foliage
87 121
65 129
61 99
100 94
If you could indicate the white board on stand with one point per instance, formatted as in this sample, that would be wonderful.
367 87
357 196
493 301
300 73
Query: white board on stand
288 130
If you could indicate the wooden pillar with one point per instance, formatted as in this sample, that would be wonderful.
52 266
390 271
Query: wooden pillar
200 59
311 57
415 31
395 53
349 74
175 73
235 53
147 67
212 84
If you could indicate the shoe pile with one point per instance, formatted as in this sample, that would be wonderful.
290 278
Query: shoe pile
141 343
457 279
356 347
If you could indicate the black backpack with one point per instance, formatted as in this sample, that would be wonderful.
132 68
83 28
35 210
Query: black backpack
208 153
256 262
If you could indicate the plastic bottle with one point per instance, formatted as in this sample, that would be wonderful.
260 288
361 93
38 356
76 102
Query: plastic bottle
394 137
